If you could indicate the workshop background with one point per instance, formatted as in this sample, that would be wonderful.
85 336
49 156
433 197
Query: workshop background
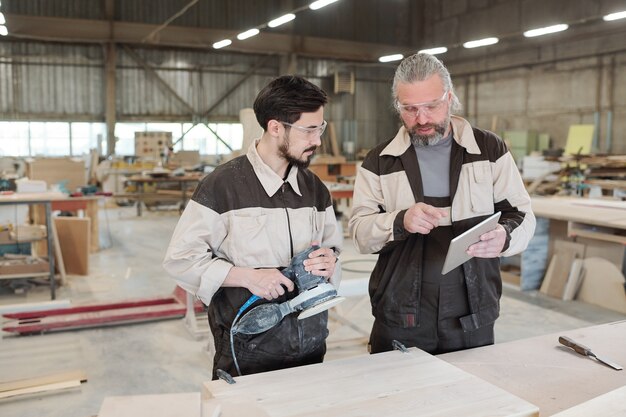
112 111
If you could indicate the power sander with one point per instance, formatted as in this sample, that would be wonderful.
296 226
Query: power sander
315 295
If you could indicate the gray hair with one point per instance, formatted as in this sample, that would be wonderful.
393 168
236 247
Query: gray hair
419 67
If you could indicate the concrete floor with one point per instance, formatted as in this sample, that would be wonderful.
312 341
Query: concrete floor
163 357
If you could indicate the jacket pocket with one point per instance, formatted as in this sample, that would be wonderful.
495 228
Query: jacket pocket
248 241
481 187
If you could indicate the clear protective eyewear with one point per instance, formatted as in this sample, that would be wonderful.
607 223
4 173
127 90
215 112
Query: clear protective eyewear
428 108
310 131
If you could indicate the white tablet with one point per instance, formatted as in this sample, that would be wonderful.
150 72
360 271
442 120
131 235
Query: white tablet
456 252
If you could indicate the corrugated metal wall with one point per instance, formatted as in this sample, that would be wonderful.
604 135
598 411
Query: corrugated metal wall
45 81
199 78
50 80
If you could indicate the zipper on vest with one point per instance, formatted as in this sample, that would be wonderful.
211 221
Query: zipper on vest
282 192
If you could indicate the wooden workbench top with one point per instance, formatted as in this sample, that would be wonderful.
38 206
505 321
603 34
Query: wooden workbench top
597 212
391 384
547 374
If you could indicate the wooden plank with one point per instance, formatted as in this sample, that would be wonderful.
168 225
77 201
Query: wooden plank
390 384
40 388
603 285
58 255
547 374
565 253
611 404
74 238
574 280
77 375
180 404
164 405
547 279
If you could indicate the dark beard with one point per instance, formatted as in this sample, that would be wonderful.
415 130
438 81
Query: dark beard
428 140
299 163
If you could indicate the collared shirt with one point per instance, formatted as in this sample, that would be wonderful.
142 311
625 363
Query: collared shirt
243 214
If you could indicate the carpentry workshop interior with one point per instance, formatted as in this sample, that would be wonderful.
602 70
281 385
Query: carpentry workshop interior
123 122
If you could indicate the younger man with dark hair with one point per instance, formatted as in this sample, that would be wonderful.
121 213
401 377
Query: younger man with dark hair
245 222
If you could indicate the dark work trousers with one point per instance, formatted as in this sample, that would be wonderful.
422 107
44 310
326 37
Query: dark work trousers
443 301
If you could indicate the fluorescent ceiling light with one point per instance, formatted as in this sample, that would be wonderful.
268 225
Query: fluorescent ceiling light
480 42
391 58
2 19
546 30
3 30
222 43
434 51
615 16
320 3
281 20
248 34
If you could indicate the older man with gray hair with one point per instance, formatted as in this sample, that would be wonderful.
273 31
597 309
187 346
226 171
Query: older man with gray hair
414 193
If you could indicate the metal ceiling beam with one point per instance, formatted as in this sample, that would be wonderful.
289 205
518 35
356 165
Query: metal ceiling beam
99 31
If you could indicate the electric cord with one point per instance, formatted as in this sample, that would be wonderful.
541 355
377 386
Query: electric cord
243 308
232 344
352 261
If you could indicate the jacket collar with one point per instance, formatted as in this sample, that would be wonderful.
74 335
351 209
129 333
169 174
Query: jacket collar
270 180
461 132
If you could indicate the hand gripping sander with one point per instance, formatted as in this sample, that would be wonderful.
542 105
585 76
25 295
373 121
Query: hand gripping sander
315 295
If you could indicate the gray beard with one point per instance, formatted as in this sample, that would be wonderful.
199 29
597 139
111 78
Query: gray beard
426 140
429 140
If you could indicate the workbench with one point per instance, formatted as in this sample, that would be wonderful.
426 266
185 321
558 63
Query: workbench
45 200
140 181
392 384
518 378
591 230
547 374
593 212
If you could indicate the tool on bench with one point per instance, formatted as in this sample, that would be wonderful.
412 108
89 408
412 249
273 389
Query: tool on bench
315 295
585 351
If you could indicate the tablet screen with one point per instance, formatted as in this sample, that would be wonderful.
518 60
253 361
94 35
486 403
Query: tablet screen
456 252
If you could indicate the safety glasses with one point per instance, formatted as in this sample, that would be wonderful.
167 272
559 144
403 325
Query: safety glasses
309 131
427 109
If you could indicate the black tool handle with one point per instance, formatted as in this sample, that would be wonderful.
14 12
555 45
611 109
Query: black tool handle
582 349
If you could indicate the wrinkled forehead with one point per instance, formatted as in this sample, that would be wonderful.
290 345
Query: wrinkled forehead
430 89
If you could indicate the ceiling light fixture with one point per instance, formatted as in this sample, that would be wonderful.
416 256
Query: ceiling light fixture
320 3
391 58
545 30
480 42
3 30
248 34
2 19
434 51
281 20
615 16
222 43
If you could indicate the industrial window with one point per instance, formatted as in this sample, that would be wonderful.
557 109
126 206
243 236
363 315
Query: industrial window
50 138
197 138
78 138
